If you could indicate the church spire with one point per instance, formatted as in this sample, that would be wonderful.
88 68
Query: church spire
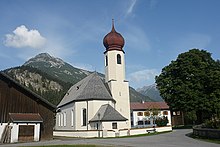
113 27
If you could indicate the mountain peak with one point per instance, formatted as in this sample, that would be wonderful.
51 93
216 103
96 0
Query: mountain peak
151 91
45 58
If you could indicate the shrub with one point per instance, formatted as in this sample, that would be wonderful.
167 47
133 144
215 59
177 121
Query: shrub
212 124
162 121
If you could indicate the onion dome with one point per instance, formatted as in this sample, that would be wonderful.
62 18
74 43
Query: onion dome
113 40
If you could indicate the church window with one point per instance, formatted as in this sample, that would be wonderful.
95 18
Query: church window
84 117
118 59
106 60
114 126
64 119
59 120
72 118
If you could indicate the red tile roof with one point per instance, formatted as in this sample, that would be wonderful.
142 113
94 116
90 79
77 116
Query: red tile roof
25 117
148 105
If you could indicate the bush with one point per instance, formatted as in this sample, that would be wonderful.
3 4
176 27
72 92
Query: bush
212 124
162 121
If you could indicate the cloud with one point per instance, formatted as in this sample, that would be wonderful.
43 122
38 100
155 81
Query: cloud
143 77
131 7
22 37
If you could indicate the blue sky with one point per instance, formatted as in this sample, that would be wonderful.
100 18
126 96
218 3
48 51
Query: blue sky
155 32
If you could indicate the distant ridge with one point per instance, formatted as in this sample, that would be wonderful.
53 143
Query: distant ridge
52 77
151 91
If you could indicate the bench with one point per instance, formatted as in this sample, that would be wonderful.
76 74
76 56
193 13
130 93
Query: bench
151 130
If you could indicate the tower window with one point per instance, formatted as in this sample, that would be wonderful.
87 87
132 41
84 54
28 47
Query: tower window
118 59
84 117
106 60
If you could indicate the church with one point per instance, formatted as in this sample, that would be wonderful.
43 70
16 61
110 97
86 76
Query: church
95 103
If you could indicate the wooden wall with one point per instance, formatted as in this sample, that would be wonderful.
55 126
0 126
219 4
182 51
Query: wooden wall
15 99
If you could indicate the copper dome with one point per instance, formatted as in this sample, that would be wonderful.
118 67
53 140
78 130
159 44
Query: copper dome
113 40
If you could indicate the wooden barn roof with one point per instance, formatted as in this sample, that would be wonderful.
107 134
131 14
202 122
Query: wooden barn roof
26 91
148 105
25 117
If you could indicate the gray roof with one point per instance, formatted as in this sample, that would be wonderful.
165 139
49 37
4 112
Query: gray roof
89 88
107 113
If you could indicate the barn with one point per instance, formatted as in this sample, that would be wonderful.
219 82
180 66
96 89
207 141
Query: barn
24 115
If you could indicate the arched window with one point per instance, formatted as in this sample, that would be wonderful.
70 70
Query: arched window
118 59
72 118
84 117
64 119
106 60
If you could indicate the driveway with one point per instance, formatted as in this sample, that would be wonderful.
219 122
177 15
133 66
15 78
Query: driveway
176 138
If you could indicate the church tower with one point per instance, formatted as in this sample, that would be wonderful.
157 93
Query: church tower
115 72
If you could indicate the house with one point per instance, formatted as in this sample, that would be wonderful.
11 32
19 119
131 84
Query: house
144 114
97 104
24 115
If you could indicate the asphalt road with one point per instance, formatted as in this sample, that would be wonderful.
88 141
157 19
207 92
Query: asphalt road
177 138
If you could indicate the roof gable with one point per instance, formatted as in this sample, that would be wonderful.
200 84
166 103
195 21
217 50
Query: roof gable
89 88
107 113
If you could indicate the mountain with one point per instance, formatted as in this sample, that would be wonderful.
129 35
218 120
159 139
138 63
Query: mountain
56 67
151 91
51 77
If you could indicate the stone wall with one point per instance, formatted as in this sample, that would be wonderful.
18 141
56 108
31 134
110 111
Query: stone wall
206 133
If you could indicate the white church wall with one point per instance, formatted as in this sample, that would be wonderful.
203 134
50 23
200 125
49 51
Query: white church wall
64 118
120 92
115 76
112 71
79 106
95 105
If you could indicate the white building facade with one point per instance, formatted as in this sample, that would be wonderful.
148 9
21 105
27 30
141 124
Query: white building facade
145 114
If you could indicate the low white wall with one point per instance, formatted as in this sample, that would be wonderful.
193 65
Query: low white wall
84 134
109 133
2 127
164 129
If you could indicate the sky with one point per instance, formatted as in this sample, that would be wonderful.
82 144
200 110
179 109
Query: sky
155 32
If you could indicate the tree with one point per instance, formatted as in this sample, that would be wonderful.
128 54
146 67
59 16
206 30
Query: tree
191 83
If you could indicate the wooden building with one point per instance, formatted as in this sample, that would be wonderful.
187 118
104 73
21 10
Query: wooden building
24 115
